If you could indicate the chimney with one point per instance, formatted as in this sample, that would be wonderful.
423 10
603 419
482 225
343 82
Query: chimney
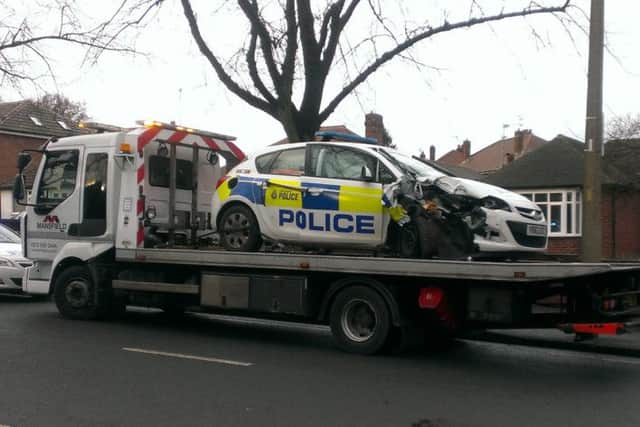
518 141
466 148
374 127
432 153
508 158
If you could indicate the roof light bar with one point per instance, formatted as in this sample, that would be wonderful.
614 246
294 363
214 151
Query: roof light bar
173 126
340 136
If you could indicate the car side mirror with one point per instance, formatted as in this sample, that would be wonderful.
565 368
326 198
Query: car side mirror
18 188
23 160
365 174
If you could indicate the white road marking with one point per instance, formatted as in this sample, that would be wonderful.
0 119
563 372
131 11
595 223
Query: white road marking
187 356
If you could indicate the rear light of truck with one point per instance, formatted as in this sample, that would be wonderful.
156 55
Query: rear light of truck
430 298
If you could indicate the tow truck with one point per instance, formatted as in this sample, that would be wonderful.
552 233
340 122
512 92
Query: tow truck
124 218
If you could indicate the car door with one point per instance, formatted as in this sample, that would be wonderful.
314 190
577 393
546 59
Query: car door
280 214
342 207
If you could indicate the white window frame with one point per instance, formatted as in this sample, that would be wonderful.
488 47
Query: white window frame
576 209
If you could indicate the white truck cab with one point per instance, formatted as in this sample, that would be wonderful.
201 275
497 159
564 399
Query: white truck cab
98 191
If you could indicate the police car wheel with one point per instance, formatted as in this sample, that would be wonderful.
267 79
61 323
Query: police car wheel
360 320
407 241
239 229
74 294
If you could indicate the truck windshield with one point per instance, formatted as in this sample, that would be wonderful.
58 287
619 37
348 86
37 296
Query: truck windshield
58 178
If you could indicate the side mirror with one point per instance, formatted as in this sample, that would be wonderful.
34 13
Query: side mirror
365 174
23 160
18 188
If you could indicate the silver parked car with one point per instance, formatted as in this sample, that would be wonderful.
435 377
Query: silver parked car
12 263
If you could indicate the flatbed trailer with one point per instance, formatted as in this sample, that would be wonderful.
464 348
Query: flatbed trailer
356 295
95 197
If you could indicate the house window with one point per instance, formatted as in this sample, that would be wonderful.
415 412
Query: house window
562 208
64 125
36 121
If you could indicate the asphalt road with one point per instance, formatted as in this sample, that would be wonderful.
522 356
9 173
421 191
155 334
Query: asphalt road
146 370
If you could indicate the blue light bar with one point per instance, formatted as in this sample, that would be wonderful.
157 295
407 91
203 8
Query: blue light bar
340 136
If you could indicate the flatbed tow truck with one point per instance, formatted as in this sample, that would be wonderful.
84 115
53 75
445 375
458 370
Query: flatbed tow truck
104 233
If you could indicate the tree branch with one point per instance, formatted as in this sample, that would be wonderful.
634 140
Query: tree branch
411 41
225 78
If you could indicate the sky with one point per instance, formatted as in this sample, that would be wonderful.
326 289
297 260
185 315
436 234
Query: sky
479 84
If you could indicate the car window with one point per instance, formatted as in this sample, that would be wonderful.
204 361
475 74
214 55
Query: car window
288 162
340 162
263 163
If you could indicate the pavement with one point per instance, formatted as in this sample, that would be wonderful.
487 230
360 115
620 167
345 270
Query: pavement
148 370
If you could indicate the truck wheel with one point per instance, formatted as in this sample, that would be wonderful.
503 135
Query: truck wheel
360 320
239 229
74 294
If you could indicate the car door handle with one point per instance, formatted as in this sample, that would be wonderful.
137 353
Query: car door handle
314 191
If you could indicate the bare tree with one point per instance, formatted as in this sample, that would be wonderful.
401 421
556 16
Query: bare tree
292 45
624 127
30 30
73 112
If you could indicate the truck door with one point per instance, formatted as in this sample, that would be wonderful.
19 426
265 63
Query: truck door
58 199
343 206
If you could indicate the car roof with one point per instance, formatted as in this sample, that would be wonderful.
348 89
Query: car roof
292 145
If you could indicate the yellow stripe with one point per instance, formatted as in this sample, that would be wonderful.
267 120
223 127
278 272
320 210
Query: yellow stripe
283 196
360 199
224 191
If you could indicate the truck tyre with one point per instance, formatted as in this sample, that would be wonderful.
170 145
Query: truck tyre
74 294
239 229
360 320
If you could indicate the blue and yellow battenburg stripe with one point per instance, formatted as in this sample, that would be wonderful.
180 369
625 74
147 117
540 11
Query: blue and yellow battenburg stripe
288 193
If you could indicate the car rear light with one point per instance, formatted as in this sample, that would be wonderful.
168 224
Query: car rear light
221 181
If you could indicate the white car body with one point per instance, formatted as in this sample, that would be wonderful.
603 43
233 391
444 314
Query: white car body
310 208
12 263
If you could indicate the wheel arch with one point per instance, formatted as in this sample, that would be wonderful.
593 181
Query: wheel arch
379 287
237 202
63 265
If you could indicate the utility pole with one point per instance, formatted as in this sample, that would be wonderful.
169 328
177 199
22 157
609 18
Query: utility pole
592 185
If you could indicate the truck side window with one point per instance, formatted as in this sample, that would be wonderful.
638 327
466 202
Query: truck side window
58 179
95 193
159 173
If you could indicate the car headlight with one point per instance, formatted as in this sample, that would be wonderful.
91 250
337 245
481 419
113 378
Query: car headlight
494 203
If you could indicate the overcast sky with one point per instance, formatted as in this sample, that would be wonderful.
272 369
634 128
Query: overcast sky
483 80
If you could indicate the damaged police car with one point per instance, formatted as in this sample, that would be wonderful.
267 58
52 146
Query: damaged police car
353 194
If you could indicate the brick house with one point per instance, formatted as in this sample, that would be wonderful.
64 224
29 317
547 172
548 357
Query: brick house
493 157
24 125
552 177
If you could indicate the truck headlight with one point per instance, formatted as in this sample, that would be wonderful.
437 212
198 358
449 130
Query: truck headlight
494 203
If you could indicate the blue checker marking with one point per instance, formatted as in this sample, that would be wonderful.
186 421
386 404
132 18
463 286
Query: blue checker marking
251 189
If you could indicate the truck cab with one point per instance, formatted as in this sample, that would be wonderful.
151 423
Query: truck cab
99 191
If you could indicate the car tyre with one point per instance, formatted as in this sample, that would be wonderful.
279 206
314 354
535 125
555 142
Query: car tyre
74 294
360 320
239 229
